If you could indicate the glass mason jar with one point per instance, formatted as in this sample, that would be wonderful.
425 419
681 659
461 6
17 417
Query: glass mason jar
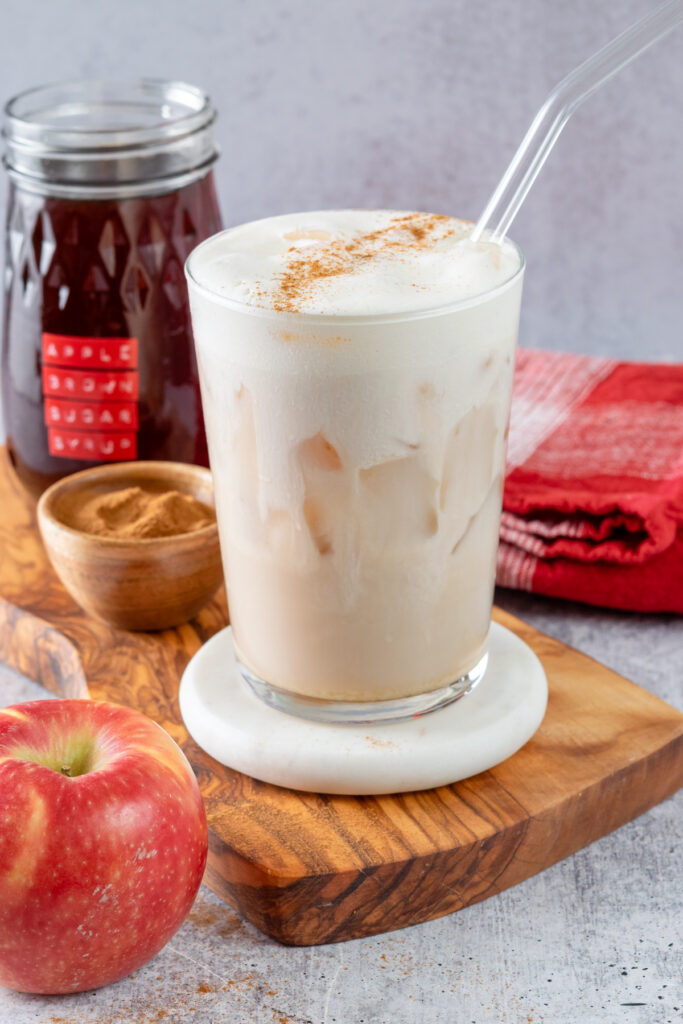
110 188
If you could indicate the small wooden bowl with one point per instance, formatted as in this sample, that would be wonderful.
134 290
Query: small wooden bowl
141 583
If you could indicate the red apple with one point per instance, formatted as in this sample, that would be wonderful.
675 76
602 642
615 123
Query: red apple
103 843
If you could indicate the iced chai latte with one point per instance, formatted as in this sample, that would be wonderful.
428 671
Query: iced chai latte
356 370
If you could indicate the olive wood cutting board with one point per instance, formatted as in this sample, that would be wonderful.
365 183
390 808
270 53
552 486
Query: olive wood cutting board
310 869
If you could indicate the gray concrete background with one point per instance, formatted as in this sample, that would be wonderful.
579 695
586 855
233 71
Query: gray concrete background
420 104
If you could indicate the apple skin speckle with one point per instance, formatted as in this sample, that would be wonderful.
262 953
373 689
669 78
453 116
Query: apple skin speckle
98 870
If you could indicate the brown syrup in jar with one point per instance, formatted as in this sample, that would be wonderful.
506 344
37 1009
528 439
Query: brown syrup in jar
110 188
110 269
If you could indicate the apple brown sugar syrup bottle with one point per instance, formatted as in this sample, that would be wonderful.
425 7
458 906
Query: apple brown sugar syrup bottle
111 186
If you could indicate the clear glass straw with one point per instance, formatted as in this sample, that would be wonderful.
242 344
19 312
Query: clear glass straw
504 204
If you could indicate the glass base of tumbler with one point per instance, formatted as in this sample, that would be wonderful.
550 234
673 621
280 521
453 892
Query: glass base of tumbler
338 712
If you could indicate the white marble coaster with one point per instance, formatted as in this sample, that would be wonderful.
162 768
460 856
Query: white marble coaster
472 734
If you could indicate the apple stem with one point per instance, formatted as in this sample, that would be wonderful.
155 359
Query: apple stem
66 770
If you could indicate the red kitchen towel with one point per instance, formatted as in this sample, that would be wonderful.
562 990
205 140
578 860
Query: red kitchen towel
593 501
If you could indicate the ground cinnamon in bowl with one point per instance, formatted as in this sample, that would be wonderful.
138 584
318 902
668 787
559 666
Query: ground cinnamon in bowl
136 512
134 543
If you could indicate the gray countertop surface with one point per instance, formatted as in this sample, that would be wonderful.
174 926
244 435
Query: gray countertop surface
597 937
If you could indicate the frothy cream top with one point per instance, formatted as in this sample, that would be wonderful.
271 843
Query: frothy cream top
352 263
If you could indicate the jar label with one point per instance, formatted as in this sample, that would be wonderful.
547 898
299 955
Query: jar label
90 389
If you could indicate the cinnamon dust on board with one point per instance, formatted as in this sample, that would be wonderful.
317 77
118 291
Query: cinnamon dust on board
405 234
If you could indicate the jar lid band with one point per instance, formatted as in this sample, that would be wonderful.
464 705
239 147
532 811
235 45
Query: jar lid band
108 137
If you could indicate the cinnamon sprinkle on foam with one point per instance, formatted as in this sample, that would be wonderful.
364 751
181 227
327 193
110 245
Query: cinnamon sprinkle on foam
331 257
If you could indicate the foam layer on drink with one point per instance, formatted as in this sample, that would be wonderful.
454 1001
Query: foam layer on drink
353 263
358 464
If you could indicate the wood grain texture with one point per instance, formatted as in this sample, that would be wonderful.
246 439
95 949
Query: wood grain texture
309 869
